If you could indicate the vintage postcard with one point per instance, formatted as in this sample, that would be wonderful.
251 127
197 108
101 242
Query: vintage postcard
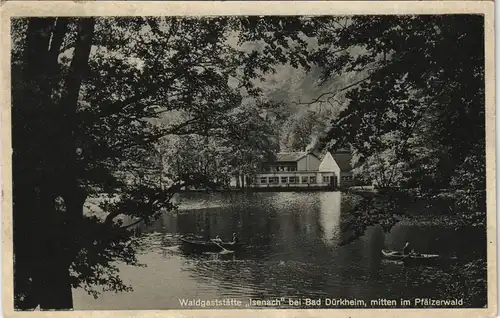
213 159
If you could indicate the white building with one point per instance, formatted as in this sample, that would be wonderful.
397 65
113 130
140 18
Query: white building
340 164
305 169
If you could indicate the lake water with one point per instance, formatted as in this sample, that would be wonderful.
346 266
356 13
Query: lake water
297 245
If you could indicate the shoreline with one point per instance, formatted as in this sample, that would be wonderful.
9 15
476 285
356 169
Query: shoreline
264 189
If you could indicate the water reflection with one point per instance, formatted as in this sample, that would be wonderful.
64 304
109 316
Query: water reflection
329 216
296 244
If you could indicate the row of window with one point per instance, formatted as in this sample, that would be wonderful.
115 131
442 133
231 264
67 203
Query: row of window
276 180
292 180
295 180
282 168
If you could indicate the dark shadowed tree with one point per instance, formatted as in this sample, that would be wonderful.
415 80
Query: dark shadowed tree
423 83
92 99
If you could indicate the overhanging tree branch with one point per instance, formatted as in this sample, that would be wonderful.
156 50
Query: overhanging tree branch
333 94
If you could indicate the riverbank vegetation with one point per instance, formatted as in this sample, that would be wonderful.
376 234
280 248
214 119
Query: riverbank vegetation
132 110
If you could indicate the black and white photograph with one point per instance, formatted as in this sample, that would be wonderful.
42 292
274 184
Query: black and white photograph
250 161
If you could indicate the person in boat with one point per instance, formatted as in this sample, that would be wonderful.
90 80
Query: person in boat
407 250
235 239
217 239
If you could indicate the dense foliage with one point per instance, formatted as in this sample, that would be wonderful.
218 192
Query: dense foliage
423 83
416 118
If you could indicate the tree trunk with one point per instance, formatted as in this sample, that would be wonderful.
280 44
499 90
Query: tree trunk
30 101
24 230
53 75
58 295
56 289
46 162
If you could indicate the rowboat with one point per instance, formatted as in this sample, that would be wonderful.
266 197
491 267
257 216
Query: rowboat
399 256
210 246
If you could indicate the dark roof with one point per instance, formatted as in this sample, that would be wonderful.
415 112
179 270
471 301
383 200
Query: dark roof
343 160
291 156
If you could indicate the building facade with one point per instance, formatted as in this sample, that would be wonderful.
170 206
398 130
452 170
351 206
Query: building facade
340 164
304 170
